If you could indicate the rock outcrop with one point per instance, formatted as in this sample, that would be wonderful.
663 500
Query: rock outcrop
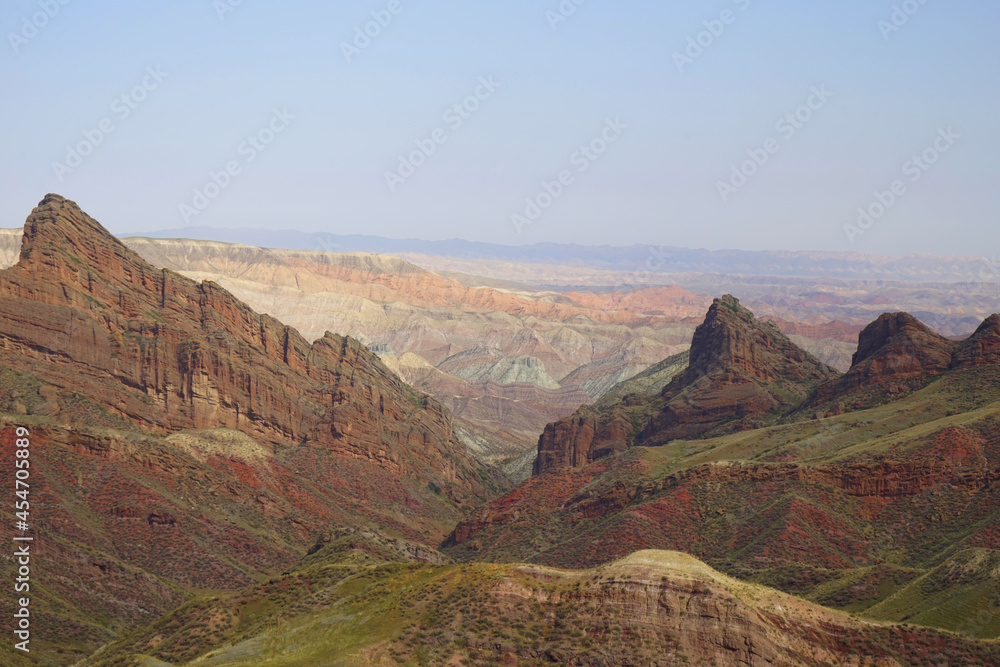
610 425
741 370
182 441
739 373
897 354
583 437
586 340
400 309
85 313
981 348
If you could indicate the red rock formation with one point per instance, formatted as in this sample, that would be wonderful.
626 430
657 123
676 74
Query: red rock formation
981 348
899 333
106 353
733 341
582 438
83 312
741 370
896 354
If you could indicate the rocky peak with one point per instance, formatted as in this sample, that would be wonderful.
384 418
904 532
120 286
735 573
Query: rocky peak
731 340
80 309
716 340
981 348
58 227
743 373
897 354
894 330
84 265
899 344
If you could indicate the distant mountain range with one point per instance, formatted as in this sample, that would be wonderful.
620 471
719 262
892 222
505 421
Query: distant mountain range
655 259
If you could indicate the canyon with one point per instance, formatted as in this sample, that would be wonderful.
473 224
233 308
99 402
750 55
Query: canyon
182 441
625 476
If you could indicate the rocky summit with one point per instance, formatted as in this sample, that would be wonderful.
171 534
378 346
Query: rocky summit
981 348
182 441
82 311
896 354
740 373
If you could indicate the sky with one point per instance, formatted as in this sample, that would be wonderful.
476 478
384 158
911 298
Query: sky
850 125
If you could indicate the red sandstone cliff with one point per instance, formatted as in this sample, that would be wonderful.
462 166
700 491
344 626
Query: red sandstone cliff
896 355
742 372
981 348
85 313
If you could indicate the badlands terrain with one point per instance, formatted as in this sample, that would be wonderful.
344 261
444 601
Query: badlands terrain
524 344
244 455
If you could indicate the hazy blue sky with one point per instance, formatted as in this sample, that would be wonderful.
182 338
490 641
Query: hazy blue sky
681 127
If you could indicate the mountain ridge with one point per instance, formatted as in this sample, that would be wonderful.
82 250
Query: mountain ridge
168 417
652 258
739 372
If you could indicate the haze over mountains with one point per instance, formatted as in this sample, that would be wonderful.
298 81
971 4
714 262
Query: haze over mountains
953 294
562 345
842 291
213 488
656 259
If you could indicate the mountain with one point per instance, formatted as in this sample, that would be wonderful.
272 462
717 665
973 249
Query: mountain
741 373
479 364
208 484
838 305
347 605
665 259
81 309
586 340
897 354
981 348
569 350
846 510
811 288
182 441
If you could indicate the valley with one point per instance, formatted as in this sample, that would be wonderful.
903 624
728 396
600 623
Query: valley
652 476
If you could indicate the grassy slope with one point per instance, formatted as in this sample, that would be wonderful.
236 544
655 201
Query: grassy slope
835 548
348 607
962 594
953 400
235 512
